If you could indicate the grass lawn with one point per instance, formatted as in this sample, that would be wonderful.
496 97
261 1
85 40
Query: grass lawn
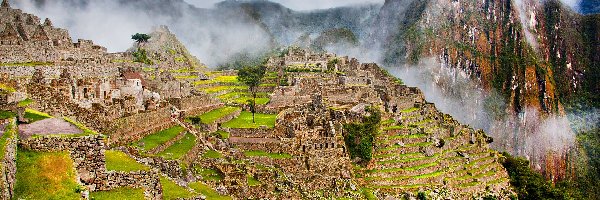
265 154
245 121
214 115
212 154
34 115
119 161
180 148
25 103
42 175
124 193
207 191
208 174
216 89
173 191
218 79
259 101
252 181
156 139
7 114
222 134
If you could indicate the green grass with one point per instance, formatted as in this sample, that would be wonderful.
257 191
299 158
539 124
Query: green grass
252 181
409 110
4 114
259 101
119 161
180 148
209 174
245 121
25 103
394 128
216 89
212 154
124 193
173 191
266 154
207 191
214 115
42 175
156 139
34 115
26 64
219 79
6 88
223 134
413 168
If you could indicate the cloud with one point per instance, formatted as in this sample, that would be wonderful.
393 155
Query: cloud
298 5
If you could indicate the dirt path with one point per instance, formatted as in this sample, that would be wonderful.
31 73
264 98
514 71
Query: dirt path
51 126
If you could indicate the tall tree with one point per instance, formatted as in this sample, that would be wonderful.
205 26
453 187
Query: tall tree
140 38
252 76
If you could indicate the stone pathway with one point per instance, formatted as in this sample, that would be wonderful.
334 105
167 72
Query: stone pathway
51 126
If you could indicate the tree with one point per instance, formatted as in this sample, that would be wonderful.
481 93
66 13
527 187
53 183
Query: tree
140 38
252 77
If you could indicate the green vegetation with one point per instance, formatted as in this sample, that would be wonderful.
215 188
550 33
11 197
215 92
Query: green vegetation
4 114
173 191
252 77
124 193
34 115
119 161
214 115
212 154
245 121
259 101
216 89
180 148
152 141
207 191
209 174
141 57
359 137
252 181
24 103
222 134
409 110
26 64
42 175
6 89
219 79
140 37
529 184
266 154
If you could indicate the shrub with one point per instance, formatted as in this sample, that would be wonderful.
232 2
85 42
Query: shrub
359 137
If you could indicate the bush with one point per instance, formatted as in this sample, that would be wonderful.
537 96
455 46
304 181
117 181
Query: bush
359 137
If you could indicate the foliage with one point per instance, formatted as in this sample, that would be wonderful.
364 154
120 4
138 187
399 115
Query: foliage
266 154
140 37
359 137
42 175
173 191
245 121
205 190
159 138
529 184
180 148
141 57
119 161
214 115
124 193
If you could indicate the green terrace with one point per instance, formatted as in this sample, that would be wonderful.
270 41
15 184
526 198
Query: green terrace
266 154
172 191
154 140
34 115
241 98
406 169
119 161
252 181
27 64
409 110
214 115
208 174
245 121
123 193
399 178
216 89
207 191
232 80
212 154
4 114
6 88
180 148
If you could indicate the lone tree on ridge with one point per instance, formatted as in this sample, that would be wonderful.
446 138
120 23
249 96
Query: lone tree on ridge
140 38
252 77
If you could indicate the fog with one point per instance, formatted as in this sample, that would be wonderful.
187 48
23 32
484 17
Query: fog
303 5
212 37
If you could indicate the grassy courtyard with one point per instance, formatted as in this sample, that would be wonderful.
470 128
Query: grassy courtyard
124 193
174 191
245 121
152 141
180 148
42 175
266 154
214 115
119 161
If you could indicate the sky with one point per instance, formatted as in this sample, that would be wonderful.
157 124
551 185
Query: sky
300 5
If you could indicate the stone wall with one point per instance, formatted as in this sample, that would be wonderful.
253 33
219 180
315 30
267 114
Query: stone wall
8 165
149 181
133 128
